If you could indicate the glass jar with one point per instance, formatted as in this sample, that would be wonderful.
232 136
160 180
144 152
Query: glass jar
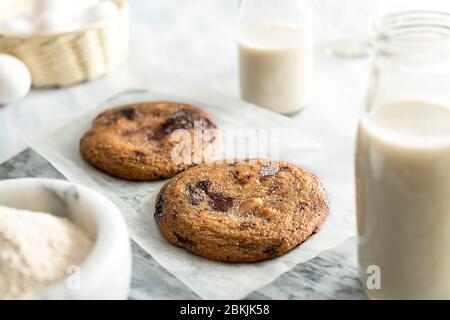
403 161
276 53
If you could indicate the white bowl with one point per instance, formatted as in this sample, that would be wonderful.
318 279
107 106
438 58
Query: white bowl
106 272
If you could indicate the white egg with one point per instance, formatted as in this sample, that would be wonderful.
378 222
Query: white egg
42 7
100 11
55 22
15 79
16 26
66 8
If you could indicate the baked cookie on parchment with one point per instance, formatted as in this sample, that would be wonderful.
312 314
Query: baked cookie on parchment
241 211
149 141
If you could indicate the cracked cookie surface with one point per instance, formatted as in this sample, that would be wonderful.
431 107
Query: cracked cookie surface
241 211
138 141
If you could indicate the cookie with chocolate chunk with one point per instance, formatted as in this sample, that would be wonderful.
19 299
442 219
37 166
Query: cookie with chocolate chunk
241 211
149 141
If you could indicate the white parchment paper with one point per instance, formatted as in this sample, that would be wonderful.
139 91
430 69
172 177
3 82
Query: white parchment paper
329 157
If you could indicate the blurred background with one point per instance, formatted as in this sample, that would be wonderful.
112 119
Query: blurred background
176 43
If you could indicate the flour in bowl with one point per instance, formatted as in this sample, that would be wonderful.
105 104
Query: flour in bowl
36 250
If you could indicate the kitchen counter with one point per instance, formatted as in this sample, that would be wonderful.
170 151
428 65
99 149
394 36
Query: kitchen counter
185 43
331 275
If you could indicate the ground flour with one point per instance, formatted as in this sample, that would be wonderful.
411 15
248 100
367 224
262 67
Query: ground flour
35 250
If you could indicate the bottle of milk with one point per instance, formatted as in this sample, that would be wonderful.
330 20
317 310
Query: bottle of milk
403 161
276 53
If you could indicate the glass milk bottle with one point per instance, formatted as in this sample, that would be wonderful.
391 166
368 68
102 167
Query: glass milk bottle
403 161
276 54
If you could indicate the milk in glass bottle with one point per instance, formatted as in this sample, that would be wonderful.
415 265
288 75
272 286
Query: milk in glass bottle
276 54
403 161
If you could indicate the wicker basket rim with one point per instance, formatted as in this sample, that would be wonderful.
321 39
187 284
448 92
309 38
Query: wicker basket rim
123 9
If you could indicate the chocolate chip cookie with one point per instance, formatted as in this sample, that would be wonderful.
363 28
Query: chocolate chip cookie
149 141
241 211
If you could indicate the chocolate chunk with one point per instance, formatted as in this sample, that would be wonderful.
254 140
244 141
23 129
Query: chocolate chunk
194 195
220 202
181 119
204 185
113 117
159 208
183 239
128 113
217 201
272 250
158 134
268 171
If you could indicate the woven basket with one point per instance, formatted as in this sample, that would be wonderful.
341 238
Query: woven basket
73 57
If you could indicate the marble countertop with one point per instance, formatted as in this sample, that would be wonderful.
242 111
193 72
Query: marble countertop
331 275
